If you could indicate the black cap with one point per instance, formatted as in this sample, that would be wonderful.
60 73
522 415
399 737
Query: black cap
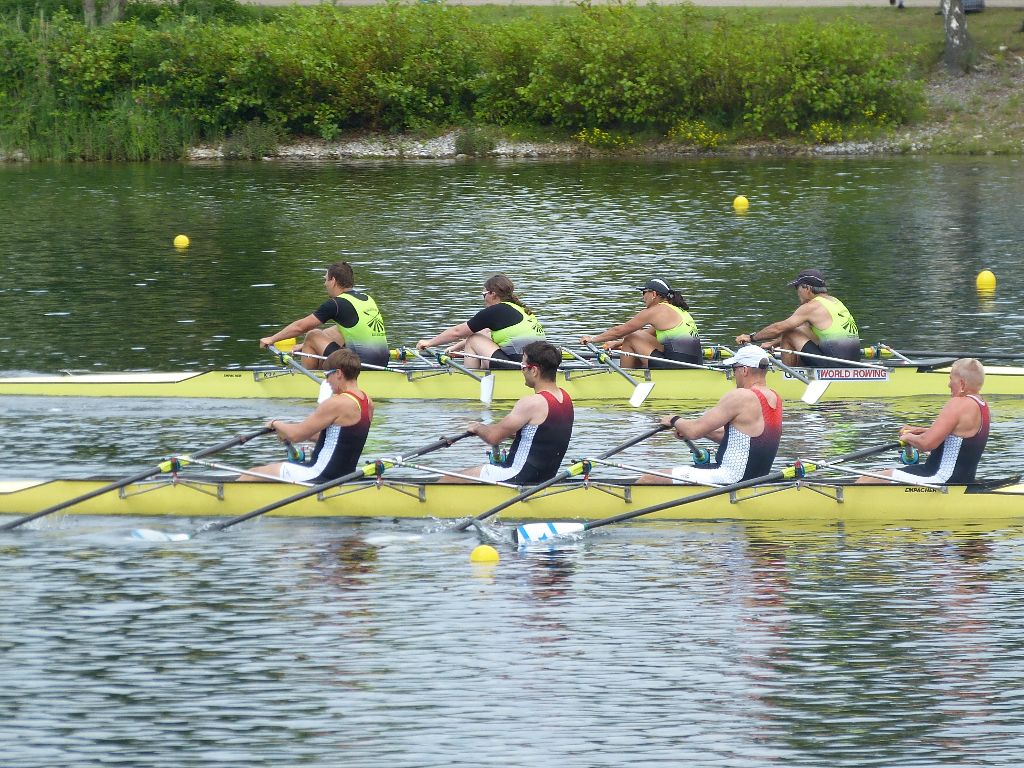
815 278
657 285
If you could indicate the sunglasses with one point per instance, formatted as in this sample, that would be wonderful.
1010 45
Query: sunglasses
524 366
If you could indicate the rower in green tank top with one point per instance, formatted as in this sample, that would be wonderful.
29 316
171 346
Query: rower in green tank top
499 331
662 329
820 326
359 325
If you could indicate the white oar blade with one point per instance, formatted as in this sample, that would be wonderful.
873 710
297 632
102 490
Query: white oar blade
325 392
148 534
530 533
487 388
814 392
641 393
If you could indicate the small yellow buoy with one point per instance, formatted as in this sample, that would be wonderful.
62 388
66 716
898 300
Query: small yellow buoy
485 553
181 241
740 203
986 281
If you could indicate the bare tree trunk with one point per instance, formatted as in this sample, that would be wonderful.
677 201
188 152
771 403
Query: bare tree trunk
957 44
113 10
89 12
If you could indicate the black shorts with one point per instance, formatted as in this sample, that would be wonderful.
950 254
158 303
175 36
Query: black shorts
812 348
368 356
657 365
500 354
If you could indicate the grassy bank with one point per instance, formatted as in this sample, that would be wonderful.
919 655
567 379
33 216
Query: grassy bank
608 78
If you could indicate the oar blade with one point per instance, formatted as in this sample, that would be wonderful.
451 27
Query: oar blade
487 389
641 393
531 533
814 391
149 534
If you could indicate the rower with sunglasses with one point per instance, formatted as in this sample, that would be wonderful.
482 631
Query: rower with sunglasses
541 424
499 331
662 329
339 426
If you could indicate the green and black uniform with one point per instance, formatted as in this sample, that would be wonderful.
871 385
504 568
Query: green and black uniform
361 324
841 339
511 327
681 342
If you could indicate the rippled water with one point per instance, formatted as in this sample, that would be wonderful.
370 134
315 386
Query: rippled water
328 643
315 643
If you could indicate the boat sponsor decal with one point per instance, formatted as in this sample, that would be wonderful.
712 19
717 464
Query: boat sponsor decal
920 489
851 374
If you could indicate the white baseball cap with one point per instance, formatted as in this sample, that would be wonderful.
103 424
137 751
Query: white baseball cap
749 355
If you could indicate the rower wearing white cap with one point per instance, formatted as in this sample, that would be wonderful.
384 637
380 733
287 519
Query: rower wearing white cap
820 326
746 423
663 328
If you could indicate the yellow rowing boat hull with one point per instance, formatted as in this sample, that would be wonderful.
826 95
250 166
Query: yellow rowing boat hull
582 385
396 498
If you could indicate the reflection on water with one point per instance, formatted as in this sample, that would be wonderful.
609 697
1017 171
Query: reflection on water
284 642
306 642
106 289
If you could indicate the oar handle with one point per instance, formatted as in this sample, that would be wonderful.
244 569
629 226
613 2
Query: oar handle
575 469
288 360
366 471
795 470
603 356
164 466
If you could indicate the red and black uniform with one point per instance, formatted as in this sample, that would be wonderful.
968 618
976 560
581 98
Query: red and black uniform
538 449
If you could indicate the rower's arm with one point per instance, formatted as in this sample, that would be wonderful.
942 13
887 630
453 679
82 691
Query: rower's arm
525 411
290 331
773 331
943 426
640 320
456 332
711 423
335 410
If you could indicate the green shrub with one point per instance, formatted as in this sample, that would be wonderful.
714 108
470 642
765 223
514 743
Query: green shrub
696 133
252 141
604 140
322 70
475 140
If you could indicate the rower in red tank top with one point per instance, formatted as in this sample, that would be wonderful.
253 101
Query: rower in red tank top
541 424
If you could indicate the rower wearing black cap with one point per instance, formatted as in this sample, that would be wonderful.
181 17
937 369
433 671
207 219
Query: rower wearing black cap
820 326
662 329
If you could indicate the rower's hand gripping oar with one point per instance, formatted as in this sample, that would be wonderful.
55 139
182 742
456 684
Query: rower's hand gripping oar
577 468
286 359
170 465
367 471
531 532
641 390
486 381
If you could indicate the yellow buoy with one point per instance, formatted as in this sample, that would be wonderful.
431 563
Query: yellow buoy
986 281
485 553
740 203
181 241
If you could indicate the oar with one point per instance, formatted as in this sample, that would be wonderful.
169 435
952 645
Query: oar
366 471
486 382
815 389
640 390
170 465
576 469
676 363
888 351
846 363
547 531
287 359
